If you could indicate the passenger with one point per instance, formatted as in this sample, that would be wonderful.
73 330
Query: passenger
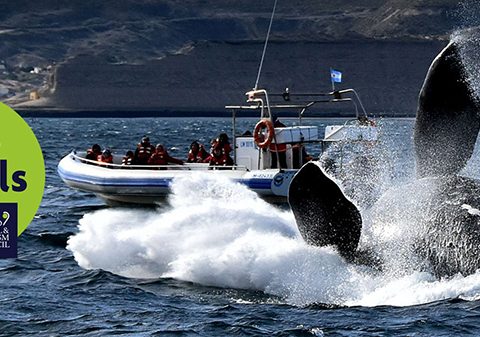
143 152
217 156
203 153
278 149
224 142
106 157
94 152
128 158
225 147
161 157
213 145
197 153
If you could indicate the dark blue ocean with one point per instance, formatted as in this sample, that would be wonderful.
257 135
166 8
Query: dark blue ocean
215 261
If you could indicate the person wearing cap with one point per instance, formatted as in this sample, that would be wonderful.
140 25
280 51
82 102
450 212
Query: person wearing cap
94 152
161 157
143 152
106 157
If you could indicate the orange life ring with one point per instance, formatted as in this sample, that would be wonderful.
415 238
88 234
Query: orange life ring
262 141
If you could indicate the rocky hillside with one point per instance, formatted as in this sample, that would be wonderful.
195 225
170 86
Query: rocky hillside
46 43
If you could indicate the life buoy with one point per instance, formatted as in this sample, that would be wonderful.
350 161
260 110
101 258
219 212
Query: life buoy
258 136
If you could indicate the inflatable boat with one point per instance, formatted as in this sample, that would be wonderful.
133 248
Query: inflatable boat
252 157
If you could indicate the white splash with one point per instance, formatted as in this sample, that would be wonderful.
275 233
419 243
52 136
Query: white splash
218 233
471 210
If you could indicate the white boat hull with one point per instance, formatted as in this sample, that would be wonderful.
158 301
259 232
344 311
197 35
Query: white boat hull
150 185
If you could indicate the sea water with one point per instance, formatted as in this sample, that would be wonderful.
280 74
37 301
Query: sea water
215 260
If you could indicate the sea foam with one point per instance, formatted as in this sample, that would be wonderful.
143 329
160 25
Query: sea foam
219 233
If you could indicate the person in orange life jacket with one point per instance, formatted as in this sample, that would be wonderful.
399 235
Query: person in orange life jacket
128 158
106 157
224 144
94 152
197 153
161 157
281 149
143 152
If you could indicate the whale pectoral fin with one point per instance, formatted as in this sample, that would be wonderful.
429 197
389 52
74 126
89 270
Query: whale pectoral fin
323 213
448 117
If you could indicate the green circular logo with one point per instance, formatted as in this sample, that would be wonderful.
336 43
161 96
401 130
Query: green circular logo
22 169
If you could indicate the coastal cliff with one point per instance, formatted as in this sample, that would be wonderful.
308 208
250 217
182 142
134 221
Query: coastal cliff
201 55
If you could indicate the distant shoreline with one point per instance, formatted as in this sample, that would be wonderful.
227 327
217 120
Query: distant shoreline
387 76
65 113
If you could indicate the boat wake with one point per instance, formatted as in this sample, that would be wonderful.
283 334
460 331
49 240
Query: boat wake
218 233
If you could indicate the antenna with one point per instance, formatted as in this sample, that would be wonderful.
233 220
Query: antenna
265 46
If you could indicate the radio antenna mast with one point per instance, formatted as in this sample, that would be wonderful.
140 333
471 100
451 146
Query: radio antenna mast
265 46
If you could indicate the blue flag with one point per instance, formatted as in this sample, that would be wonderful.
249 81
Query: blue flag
336 76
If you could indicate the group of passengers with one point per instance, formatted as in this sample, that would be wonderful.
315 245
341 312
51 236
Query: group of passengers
147 154
219 152
96 153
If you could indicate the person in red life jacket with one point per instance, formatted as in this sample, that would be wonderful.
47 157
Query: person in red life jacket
217 156
203 154
161 157
280 149
143 152
128 158
197 153
213 144
106 157
94 152
224 144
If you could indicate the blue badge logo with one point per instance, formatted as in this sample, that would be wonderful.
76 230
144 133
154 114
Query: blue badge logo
278 180
8 230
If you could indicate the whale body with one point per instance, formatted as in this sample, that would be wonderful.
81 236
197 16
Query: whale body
446 129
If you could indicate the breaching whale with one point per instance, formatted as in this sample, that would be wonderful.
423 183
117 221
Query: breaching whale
446 129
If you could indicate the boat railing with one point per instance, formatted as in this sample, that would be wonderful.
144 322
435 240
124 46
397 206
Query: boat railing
265 102
255 96
186 167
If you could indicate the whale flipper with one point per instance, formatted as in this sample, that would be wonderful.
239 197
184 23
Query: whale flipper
446 129
448 119
323 213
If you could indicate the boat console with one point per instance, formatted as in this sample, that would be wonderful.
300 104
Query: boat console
254 152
